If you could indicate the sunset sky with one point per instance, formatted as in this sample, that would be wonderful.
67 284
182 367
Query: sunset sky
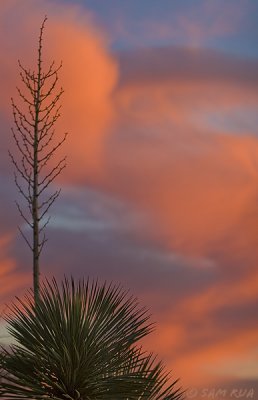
161 189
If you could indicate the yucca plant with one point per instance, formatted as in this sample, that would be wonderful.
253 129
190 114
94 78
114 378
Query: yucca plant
81 343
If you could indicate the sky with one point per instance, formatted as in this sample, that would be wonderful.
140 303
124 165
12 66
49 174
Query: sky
160 192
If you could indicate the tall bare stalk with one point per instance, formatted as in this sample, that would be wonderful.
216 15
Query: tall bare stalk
34 136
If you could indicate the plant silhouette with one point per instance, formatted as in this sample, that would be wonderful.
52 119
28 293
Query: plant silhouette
81 342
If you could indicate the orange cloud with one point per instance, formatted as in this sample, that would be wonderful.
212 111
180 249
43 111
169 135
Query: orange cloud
197 185
233 293
12 281
217 343
197 181
88 75
202 366
201 334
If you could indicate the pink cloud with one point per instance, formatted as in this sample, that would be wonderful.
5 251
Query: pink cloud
88 76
